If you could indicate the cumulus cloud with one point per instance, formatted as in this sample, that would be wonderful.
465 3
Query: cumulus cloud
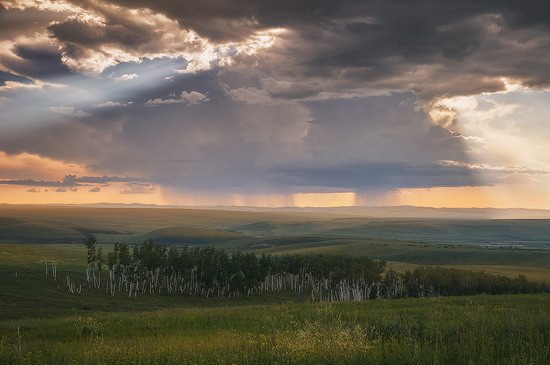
65 190
136 188
111 104
126 77
189 98
95 190
193 97
69 110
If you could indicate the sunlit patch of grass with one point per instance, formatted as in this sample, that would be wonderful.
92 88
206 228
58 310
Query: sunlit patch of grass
328 338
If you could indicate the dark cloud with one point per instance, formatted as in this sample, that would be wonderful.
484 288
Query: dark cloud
42 62
374 39
107 179
74 31
71 181
434 48
16 22
431 47
6 76
373 175
68 181
226 145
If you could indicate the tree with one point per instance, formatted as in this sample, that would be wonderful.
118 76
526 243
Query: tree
90 247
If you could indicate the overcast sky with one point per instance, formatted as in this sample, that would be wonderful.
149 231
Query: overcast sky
246 102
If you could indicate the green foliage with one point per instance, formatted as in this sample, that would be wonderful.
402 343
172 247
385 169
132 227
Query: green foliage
476 330
441 281
210 271
91 250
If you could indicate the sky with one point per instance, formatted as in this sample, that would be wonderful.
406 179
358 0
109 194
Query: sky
275 103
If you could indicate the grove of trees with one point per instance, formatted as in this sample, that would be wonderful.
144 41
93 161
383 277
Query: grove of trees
149 268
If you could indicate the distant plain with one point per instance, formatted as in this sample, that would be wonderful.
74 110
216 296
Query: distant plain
475 239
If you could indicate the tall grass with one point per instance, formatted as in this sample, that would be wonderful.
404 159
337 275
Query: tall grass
477 330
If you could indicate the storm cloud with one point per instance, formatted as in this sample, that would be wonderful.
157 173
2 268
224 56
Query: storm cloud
268 96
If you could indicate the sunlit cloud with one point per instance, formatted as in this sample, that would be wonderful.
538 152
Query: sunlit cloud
25 166
111 104
126 77
69 110
138 188
190 98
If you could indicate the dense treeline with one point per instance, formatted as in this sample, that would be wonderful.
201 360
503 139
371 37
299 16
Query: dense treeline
207 271
426 281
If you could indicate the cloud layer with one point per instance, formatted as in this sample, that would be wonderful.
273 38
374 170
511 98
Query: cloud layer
274 96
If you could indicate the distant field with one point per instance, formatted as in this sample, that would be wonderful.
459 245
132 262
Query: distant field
516 232
531 273
392 239
23 224
411 252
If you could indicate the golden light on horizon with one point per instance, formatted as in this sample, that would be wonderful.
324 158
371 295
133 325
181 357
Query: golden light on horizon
446 197
496 196
115 193
343 199
27 165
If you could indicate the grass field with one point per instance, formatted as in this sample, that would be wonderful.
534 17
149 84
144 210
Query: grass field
41 323
477 330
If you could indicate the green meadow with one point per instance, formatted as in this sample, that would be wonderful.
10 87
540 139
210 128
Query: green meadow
476 330
42 323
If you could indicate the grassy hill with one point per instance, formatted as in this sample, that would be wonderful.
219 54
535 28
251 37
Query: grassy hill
532 232
19 231
190 236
